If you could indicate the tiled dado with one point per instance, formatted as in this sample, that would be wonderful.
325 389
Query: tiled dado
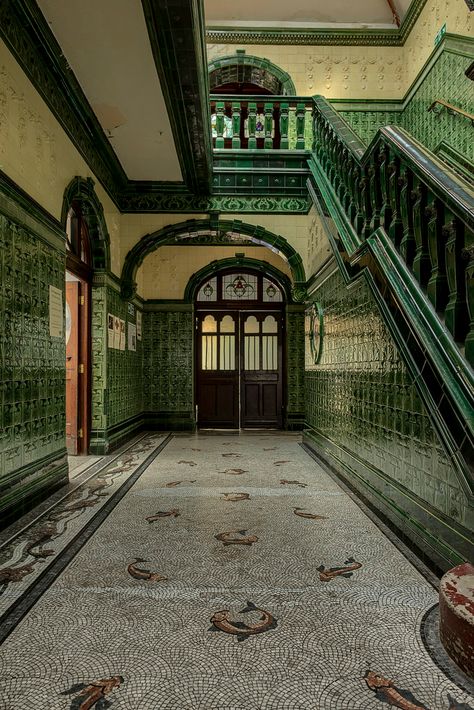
168 368
361 401
295 347
443 79
32 396
117 375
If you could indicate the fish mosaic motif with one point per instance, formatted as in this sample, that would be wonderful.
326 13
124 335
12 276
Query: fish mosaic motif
280 463
144 574
284 482
387 692
93 694
222 621
234 497
325 575
173 513
227 455
234 471
236 537
309 516
173 484
189 463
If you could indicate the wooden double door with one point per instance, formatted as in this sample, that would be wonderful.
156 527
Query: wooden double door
239 366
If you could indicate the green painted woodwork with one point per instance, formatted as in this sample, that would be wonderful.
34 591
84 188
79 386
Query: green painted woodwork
172 234
443 76
373 37
176 33
264 172
32 404
240 262
243 67
154 200
82 190
168 367
363 411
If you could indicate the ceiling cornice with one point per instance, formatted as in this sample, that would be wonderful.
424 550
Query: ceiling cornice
176 32
217 34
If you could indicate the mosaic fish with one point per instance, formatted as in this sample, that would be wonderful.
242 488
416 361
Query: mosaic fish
144 574
80 505
173 484
189 463
229 538
234 497
308 516
173 513
221 622
42 534
234 471
325 575
231 454
280 463
13 574
272 448
93 694
387 692
95 487
284 482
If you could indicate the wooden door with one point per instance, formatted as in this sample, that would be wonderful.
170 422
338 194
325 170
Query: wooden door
72 366
217 376
261 369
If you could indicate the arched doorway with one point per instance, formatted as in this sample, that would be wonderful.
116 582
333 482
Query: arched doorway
239 351
78 288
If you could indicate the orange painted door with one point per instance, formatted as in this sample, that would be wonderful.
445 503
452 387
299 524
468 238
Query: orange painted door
72 366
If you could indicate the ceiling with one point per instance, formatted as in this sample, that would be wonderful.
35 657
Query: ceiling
106 44
337 14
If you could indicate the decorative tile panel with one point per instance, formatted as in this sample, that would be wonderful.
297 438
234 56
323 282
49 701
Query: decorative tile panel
362 397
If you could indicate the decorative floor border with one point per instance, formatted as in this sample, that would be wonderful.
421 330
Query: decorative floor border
25 602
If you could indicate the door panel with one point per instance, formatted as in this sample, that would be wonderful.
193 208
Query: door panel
72 366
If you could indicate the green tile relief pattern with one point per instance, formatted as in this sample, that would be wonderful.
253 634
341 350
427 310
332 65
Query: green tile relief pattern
362 397
446 81
295 362
99 357
124 369
32 419
168 361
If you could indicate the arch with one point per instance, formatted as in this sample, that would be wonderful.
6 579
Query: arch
241 262
81 190
242 67
215 231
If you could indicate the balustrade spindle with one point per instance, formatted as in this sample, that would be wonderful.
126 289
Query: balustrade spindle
268 141
456 314
300 119
252 126
395 230
375 193
407 245
421 262
385 210
284 123
468 255
365 203
437 288
236 125
220 108
359 215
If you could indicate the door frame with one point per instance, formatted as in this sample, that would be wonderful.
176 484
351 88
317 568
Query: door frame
83 273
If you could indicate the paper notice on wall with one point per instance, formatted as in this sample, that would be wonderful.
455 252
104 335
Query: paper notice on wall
122 334
132 337
139 325
56 315
116 333
110 331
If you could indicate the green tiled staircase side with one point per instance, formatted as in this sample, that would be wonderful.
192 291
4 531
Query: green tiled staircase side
168 368
32 406
117 375
445 80
295 368
361 399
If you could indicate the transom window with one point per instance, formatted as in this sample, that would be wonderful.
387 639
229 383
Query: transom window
239 286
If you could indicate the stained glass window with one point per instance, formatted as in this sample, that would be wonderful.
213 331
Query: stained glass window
239 287
208 292
271 292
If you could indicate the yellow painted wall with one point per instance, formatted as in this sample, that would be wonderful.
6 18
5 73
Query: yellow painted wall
36 153
166 272
361 72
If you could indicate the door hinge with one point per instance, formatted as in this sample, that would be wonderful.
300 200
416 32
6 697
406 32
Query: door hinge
81 300
81 369
80 434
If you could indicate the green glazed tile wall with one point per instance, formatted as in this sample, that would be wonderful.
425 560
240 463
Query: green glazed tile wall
446 80
168 361
295 367
362 397
32 406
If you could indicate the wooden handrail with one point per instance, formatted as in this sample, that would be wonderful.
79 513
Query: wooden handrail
450 107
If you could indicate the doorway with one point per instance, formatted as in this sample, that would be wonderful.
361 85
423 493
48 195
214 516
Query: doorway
239 352
77 333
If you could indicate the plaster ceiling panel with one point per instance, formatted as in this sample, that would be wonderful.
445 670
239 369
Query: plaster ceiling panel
304 13
106 45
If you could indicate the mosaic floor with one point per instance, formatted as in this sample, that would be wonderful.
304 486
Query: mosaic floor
220 573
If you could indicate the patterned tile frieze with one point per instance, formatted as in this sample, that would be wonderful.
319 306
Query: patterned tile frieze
156 611
362 397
